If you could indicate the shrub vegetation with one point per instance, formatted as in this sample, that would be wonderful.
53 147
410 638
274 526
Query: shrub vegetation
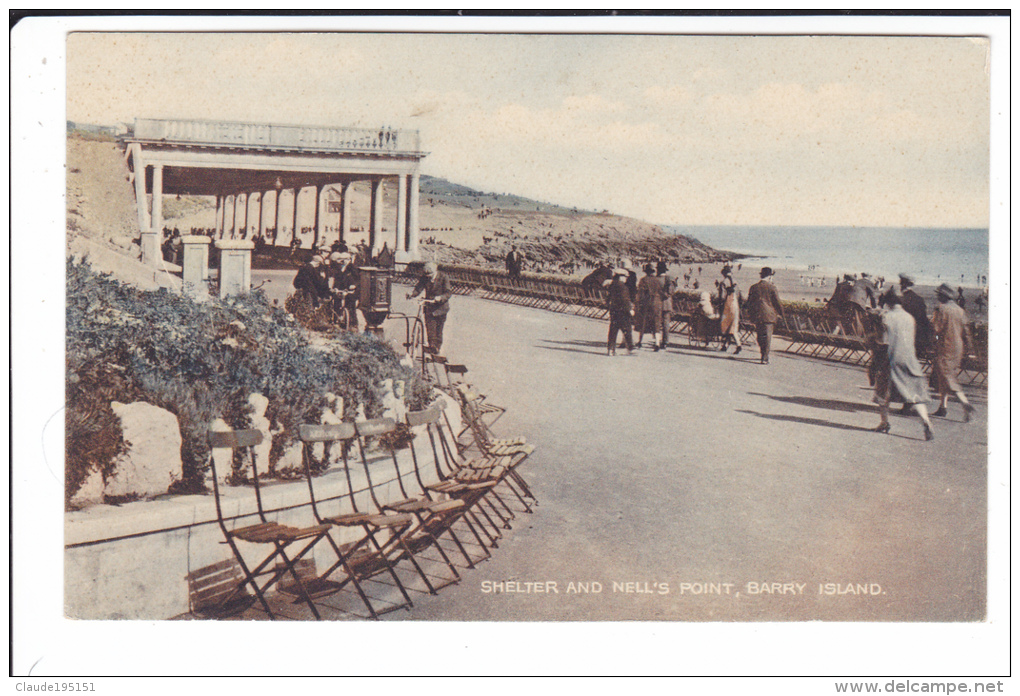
201 361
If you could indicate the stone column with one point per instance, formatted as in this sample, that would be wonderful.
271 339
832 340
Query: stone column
140 196
315 225
262 198
400 239
151 238
345 210
235 266
375 217
294 229
412 217
233 215
244 219
276 217
196 264
219 211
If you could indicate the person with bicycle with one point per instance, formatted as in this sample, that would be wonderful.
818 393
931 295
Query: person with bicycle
344 278
436 304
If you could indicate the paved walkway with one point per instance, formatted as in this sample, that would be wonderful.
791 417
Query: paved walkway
667 474
694 485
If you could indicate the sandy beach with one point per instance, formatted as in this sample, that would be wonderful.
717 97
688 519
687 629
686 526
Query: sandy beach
793 285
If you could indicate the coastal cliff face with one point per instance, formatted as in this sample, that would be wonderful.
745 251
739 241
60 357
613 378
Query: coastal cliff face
458 224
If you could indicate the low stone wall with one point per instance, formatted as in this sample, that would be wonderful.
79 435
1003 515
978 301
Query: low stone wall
131 561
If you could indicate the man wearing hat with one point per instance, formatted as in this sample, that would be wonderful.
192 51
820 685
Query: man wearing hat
345 285
952 340
764 309
437 304
311 282
916 307
621 311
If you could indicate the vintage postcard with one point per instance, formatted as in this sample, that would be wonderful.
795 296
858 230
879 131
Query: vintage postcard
677 327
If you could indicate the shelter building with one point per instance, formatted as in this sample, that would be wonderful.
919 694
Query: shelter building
242 164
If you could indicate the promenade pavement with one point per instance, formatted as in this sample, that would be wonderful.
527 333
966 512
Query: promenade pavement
695 485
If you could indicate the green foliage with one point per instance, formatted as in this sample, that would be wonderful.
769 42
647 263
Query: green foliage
201 361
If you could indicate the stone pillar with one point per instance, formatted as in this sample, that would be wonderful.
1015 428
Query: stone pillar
244 218
400 239
196 264
375 217
412 217
345 210
140 196
152 237
235 266
315 225
219 211
258 227
276 218
233 216
294 229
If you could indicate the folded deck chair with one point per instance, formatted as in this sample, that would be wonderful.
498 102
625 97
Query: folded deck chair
435 517
379 549
274 538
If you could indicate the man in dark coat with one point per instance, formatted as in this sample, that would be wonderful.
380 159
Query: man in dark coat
437 304
311 281
513 263
621 311
764 309
344 277
916 307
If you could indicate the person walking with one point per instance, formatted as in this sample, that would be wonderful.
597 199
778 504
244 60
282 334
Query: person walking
669 286
952 341
899 376
649 307
621 311
729 325
916 307
437 304
764 308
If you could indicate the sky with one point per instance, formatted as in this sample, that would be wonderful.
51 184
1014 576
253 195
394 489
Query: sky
684 130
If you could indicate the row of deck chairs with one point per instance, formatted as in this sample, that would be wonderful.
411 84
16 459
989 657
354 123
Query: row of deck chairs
419 543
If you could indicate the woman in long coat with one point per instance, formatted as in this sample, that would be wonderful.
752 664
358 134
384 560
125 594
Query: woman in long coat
649 312
952 338
899 376
729 325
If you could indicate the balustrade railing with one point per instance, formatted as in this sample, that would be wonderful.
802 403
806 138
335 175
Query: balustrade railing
261 135
811 331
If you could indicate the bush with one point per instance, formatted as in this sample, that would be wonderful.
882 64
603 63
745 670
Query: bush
201 361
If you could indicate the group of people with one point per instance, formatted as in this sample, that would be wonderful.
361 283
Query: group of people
645 305
331 277
906 337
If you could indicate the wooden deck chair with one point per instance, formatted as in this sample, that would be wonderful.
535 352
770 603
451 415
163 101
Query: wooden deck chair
463 466
489 412
461 489
486 445
434 519
378 550
265 534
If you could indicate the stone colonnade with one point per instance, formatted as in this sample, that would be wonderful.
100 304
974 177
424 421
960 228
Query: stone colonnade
232 214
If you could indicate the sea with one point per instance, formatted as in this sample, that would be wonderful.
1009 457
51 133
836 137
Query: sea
933 256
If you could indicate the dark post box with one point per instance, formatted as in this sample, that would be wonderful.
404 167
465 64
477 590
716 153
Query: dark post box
374 288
